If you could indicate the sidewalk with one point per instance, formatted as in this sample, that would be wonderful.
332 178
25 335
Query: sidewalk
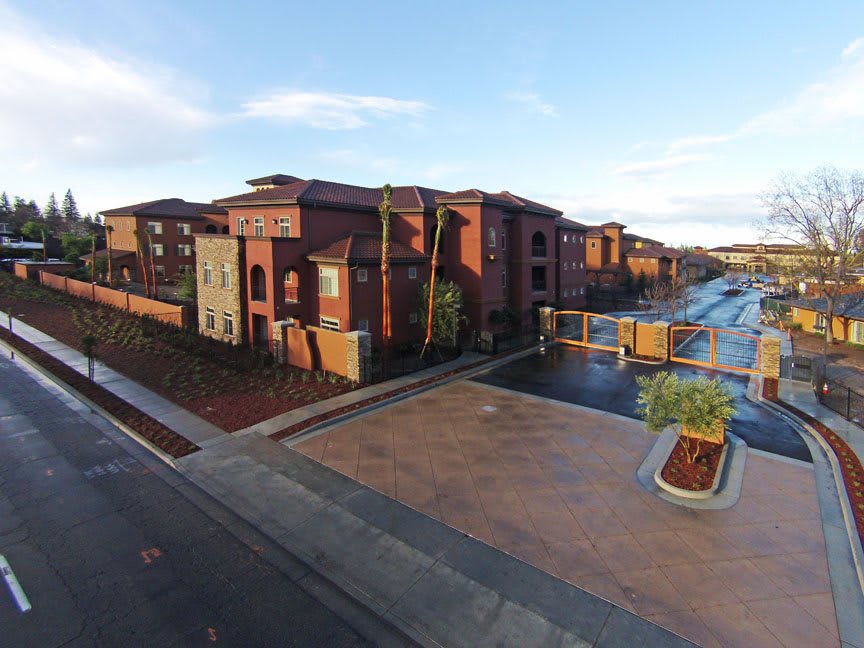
438 586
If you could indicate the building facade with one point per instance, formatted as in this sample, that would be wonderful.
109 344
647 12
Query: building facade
171 223
309 251
613 255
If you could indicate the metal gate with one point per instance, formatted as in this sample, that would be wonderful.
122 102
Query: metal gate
586 330
796 367
712 347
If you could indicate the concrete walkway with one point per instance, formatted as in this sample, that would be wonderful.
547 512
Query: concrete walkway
437 585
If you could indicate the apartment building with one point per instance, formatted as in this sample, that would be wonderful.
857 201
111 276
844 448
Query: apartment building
309 252
612 255
172 224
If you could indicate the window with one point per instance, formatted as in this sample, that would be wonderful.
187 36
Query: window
330 323
160 271
226 275
538 279
564 294
654 261
258 284
566 266
210 323
241 226
819 322
490 237
208 273
328 282
641 259
504 278
184 229
412 272
258 226
857 332
363 325
154 228
538 245
581 291
581 239
184 250
565 238
593 245
362 275
503 240
412 318
158 249
285 226
228 323
581 265
185 269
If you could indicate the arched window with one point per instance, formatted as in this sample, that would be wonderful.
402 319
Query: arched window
225 229
258 283
490 237
291 285
211 229
538 245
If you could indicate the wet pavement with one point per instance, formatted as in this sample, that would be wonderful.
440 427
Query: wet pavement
598 379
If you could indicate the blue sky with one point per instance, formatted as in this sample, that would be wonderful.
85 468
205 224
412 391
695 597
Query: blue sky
670 117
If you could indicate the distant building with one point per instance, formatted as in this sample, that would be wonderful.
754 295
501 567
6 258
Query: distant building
756 258
701 265
848 321
171 223
612 255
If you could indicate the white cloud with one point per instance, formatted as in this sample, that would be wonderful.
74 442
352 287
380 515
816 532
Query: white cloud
329 110
63 102
651 167
534 103
853 47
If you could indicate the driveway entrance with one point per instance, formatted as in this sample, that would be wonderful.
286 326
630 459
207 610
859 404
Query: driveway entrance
586 330
713 347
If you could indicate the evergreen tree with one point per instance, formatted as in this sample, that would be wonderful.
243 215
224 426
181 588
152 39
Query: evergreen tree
70 209
34 209
52 213
5 208
22 211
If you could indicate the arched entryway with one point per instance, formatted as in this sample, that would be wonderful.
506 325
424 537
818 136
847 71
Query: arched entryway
125 273
258 284
211 229
291 285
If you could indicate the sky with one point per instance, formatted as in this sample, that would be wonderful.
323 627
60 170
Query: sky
671 117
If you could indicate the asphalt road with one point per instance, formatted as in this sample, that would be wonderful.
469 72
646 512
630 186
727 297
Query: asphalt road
113 548
711 307
598 379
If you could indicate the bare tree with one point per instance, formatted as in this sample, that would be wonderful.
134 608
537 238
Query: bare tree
822 215
732 277
682 291
656 298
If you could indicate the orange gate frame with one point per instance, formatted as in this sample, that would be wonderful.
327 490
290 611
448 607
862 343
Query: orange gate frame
713 346
584 342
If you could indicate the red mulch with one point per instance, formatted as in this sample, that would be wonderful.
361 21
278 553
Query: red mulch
148 427
770 389
696 476
850 465
734 292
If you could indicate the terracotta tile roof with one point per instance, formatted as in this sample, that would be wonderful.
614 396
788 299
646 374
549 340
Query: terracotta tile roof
636 237
503 198
655 252
595 233
566 223
850 305
365 248
700 259
275 179
103 253
613 224
335 193
167 208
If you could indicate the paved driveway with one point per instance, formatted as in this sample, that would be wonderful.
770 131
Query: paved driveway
598 379
711 307
555 486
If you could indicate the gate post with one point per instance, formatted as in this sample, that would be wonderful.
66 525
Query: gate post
627 334
713 347
770 347
547 322
661 340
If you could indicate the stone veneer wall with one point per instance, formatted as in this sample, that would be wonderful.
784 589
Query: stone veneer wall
219 249
661 340
359 352
547 318
627 334
771 357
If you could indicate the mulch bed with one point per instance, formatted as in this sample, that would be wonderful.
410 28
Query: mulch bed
850 465
734 292
770 389
696 476
148 427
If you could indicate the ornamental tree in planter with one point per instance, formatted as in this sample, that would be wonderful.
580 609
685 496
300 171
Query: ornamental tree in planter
697 410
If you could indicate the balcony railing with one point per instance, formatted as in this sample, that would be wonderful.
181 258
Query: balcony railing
538 250
292 295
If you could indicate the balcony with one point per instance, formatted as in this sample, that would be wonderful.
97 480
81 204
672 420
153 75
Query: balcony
538 251
292 295
538 286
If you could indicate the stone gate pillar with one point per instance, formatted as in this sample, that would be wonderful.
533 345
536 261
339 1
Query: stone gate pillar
627 334
771 356
547 317
280 350
359 353
661 340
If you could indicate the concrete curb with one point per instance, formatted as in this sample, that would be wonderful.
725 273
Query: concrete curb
129 431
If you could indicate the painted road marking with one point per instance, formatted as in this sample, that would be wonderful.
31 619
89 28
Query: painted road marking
148 554
18 594
113 468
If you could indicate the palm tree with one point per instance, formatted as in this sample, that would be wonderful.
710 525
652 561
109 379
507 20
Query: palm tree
92 258
143 264
442 215
152 266
384 211
108 230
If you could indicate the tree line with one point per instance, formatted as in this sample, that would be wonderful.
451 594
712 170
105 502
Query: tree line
56 218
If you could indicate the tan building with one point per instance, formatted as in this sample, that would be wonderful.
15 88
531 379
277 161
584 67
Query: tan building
756 258
848 321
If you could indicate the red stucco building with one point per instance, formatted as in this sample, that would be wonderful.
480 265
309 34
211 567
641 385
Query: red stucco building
612 255
310 251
